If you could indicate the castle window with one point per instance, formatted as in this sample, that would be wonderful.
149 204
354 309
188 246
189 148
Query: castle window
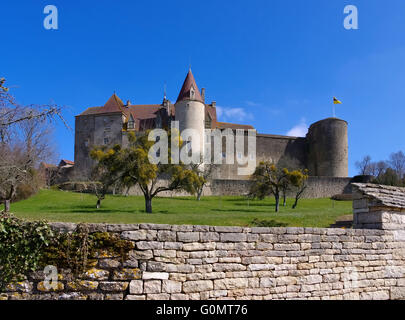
106 140
192 93
188 145
131 123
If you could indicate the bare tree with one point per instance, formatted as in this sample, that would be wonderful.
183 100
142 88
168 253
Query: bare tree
24 133
378 168
397 162
12 112
364 165
14 170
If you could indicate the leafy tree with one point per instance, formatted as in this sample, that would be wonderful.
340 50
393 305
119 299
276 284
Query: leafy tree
298 179
106 172
134 167
268 180
204 171
390 177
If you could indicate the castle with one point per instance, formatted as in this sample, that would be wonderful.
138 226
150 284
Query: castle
324 150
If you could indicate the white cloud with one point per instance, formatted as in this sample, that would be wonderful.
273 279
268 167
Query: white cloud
299 130
233 114
252 103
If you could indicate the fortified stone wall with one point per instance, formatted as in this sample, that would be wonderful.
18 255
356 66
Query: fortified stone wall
207 262
318 187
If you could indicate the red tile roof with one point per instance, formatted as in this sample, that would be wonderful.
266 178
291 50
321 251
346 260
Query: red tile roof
142 110
225 125
185 89
145 114
114 104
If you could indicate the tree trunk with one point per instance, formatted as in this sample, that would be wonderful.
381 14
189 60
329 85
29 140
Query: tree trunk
277 197
98 203
284 199
7 206
298 196
199 194
148 205
295 202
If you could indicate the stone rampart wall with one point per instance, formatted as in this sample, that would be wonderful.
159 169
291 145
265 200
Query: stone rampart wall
207 262
318 187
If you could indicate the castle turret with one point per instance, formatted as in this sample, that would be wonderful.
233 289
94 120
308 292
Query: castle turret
328 148
190 110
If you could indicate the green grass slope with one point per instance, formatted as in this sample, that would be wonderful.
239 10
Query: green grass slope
65 206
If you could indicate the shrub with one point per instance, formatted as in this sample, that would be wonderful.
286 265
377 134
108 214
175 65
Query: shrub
77 250
21 245
28 246
267 223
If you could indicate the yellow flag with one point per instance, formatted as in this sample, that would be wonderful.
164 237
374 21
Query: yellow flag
336 101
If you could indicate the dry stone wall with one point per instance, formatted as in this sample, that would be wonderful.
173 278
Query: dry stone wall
207 262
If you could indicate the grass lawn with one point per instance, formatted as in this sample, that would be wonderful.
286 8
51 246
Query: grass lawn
65 206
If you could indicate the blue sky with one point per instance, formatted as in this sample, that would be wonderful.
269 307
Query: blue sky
275 64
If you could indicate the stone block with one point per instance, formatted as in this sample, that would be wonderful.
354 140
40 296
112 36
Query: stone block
152 286
233 237
146 245
188 236
136 287
155 275
135 297
170 286
113 286
198 286
127 274
166 236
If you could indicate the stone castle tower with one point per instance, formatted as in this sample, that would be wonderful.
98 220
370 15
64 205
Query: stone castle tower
190 111
324 150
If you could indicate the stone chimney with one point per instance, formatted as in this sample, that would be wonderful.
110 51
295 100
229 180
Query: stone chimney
128 103
213 103
203 94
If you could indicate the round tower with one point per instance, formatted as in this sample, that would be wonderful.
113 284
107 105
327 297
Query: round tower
328 148
190 111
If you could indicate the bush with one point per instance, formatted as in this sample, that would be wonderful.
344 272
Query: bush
21 247
24 191
28 246
76 251
267 223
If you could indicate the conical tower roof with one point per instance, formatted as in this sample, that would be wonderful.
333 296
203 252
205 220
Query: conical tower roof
188 85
